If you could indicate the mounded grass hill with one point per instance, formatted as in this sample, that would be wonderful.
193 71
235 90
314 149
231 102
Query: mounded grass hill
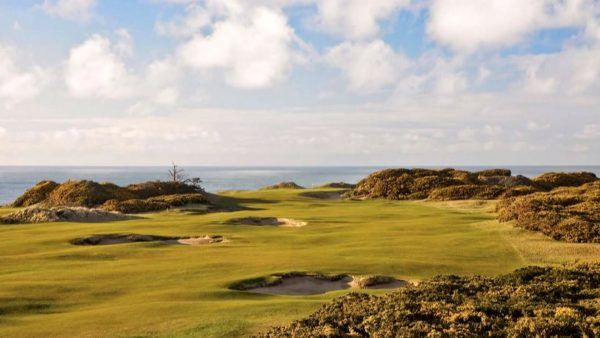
452 184
571 214
140 197
533 301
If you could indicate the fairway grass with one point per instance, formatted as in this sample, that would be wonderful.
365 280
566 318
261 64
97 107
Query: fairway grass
51 288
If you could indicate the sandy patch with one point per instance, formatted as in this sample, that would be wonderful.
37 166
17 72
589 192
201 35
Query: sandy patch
110 239
269 221
35 214
313 284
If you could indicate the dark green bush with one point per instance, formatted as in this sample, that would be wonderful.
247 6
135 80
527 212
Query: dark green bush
534 301
153 203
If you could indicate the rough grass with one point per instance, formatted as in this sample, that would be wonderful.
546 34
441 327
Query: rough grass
50 288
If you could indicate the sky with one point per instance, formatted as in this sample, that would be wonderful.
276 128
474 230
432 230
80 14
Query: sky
300 82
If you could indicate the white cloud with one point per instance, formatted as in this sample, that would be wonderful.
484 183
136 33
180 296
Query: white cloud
467 25
96 70
2 132
195 18
254 50
367 66
355 19
17 85
574 70
77 10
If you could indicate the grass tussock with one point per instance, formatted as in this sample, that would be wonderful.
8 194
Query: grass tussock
533 301
571 214
35 194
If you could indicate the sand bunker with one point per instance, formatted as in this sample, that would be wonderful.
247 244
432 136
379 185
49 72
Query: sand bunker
272 221
313 284
110 239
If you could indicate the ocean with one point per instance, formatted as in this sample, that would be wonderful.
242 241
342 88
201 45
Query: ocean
14 180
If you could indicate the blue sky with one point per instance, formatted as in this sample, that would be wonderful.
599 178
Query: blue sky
299 82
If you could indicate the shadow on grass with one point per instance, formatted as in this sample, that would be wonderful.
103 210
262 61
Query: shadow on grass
228 203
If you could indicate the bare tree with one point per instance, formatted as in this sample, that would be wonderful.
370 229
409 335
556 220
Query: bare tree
176 174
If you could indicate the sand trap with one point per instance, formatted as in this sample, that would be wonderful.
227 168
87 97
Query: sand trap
303 285
110 239
272 221
317 284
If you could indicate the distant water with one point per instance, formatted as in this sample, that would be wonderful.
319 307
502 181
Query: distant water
15 180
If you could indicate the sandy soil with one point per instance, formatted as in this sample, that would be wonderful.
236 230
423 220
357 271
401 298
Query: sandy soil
308 285
110 239
272 221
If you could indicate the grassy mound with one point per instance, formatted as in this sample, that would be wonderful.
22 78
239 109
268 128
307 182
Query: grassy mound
494 172
35 194
140 197
533 301
283 185
553 180
571 214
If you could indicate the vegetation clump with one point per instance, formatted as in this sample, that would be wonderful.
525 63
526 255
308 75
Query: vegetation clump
139 197
36 214
35 194
553 180
467 192
532 301
338 185
571 213
283 185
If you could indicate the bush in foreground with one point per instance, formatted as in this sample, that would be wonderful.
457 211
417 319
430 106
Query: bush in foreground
533 301
570 214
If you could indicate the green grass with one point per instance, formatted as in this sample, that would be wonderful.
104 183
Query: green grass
53 289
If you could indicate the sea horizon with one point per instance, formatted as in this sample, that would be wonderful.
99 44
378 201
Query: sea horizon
14 180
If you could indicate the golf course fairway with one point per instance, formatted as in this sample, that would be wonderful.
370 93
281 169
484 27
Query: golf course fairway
52 288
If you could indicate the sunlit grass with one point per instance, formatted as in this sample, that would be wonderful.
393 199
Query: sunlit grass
51 288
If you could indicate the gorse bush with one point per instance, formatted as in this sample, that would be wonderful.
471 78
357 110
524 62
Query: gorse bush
553 180
452 184
140 197
35 194
570 214
533 301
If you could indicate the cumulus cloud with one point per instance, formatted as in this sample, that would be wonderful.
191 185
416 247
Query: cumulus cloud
367 66
355 19
195 18
95 69
589 132
77 10
254 50
17 85
467 25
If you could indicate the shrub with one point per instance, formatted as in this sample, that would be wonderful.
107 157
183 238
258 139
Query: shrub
571 214
283 185
533 301
79 194
553 180
338 185
465 192
160 188
494 172
153 204
36 194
